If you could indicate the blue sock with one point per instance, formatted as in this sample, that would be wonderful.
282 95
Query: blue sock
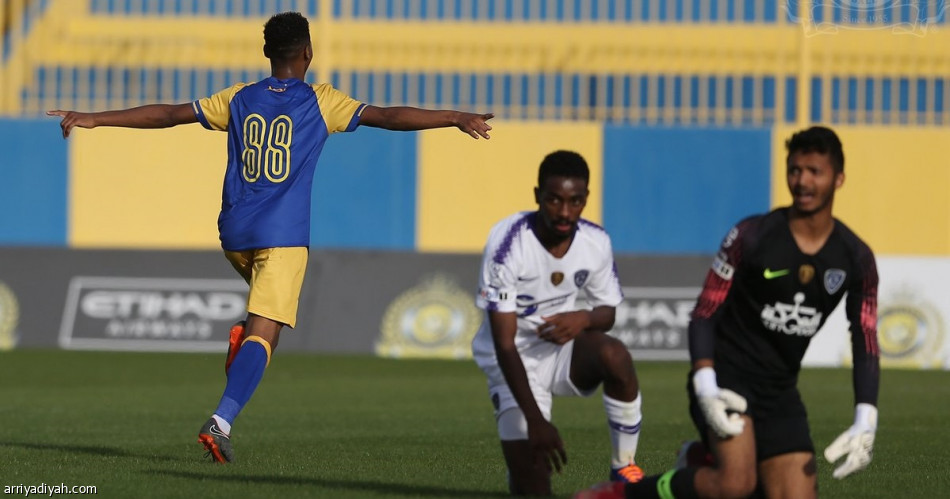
245 373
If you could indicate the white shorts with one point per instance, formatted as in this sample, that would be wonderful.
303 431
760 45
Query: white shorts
549 373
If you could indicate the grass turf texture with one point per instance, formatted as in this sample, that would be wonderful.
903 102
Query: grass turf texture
367 427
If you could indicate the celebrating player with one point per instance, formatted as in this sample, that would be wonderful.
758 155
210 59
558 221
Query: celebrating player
276 130
535 343
771 287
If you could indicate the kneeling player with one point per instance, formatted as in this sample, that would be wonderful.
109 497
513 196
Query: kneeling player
535 344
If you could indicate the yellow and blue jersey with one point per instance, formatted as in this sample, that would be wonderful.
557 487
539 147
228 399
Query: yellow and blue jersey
276 130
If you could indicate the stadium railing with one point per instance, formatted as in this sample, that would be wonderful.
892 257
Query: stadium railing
651 62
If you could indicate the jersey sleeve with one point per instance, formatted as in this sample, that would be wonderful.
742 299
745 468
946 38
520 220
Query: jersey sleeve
340 111
214 112
715 290
497 282
603 287
861 311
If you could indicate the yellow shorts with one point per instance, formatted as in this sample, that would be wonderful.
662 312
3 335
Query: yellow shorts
275 276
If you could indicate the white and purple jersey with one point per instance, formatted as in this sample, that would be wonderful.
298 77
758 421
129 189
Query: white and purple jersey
519 275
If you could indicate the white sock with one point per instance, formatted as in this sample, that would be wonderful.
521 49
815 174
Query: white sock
224 425
623 419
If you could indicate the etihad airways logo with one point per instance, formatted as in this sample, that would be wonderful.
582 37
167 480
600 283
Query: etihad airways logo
117 313
654 321
792 319
153 304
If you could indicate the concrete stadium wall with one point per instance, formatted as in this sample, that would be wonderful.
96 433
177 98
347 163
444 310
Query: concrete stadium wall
657 190
34 192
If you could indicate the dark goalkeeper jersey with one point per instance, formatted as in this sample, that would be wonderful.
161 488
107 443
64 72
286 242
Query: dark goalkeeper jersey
763 300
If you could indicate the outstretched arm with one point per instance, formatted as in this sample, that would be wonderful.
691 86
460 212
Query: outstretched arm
150 116
403 118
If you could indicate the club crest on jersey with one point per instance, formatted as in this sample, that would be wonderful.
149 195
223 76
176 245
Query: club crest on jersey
557 278
806 273
580 277
834 278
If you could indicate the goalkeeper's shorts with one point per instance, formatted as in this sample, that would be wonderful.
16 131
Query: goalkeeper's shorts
779 418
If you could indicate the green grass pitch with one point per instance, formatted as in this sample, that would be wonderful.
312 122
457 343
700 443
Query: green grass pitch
338 426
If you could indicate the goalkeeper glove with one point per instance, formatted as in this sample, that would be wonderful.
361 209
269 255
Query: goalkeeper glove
720 406
857 442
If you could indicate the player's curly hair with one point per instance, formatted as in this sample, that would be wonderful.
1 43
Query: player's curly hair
563 164
821 140
285 34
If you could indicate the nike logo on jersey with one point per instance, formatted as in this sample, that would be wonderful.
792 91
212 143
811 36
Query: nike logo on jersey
527 279
772 274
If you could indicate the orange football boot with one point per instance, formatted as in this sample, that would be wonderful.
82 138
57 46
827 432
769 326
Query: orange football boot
234 344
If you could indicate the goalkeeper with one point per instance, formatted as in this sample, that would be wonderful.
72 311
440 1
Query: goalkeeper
772 285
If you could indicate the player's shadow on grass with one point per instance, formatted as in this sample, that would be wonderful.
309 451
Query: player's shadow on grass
378 487
88 450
